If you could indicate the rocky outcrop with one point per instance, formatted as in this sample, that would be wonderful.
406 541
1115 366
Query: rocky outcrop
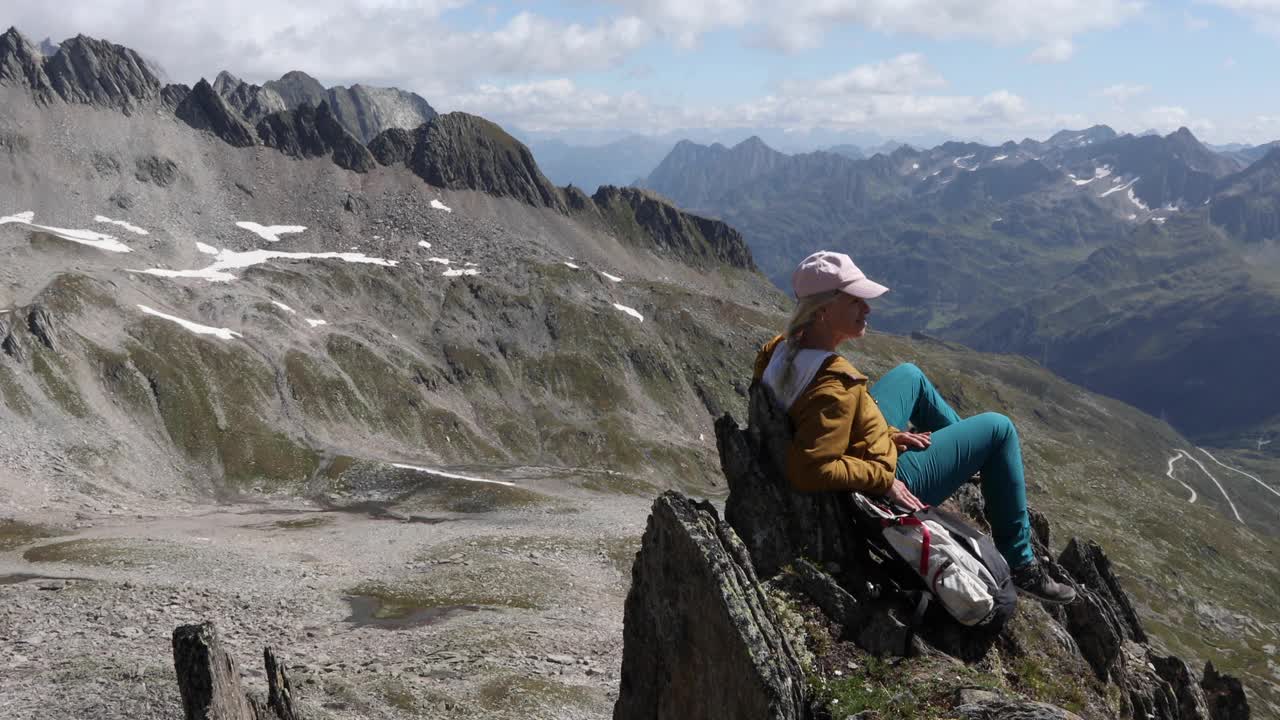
1224 695
982 705
314 132
1103 618
204 109
807 543
23 65
171 96
701 640
651 222
393 147
209 680
81 70
776 524
101 73
363 111
254 103
367 111
466 152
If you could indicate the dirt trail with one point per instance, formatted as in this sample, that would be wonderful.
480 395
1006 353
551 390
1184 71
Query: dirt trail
406 612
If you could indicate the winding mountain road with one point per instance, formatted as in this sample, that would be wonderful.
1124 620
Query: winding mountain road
1189 456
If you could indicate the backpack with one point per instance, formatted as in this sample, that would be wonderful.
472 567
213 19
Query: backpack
955 564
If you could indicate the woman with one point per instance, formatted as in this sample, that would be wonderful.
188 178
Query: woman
847 435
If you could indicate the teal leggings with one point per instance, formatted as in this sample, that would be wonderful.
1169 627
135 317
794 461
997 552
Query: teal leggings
986 442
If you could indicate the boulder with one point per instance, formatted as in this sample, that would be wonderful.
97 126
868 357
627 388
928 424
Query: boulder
701 639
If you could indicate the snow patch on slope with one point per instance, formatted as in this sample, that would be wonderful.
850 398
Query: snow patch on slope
270 233
97 240
197 328
232 260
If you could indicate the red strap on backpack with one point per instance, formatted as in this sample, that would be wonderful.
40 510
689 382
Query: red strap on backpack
927 537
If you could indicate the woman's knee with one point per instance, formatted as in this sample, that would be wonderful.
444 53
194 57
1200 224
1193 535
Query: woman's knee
1001 426
909 370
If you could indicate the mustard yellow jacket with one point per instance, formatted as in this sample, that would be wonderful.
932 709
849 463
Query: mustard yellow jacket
841 440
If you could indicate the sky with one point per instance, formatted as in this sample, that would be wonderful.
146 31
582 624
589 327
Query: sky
989 70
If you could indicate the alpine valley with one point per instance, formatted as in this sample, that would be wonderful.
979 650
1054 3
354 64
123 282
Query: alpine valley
353 379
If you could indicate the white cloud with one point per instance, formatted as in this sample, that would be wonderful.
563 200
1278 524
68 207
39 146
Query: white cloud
1167 118
903 73
802 23
406 43
1123 92
886 95
1055 51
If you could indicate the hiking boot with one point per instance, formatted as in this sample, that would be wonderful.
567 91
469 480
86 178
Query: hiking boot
1031 579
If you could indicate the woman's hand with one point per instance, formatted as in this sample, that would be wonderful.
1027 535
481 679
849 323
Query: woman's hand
899 493
909 440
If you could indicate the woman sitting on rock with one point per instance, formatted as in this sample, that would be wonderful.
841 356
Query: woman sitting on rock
847 436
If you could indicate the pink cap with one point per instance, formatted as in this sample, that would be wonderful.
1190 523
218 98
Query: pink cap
826 270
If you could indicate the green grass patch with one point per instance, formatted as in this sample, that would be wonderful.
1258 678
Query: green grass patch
528 694
106 552
15 533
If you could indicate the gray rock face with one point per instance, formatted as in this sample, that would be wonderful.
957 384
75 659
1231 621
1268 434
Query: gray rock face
777 524
22 64
700 638
251 101
1189 694
204 109
314 132
1225 695
1002 708
296 87
171 96
97 72
1104 616
367 111
466 152
393 147
363 111
696 240
160 171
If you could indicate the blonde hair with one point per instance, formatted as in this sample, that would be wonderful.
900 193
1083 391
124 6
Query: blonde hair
801 318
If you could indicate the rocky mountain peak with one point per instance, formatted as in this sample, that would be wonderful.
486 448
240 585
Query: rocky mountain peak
102 73
226 83
308 131
204 109
650 221
22 64
297 87
467 152
753 143
81 70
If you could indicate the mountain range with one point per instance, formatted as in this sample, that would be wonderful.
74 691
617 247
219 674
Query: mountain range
206 300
